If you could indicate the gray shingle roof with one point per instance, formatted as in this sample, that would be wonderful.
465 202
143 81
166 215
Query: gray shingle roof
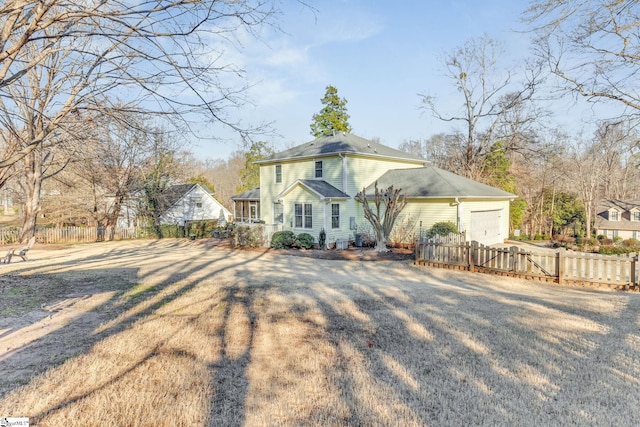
345 143
172 194
323 188
624 222
253 194
432 182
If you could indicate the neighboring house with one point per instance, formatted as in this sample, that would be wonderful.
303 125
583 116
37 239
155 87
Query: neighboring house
312 186
190 202
619 218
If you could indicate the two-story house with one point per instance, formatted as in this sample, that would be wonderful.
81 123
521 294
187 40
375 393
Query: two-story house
312 186
619 218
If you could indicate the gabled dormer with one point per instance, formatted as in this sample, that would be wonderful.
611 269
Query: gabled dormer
634 214
614 214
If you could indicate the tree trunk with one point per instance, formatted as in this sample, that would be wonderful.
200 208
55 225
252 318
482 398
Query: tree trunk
381 241
32 187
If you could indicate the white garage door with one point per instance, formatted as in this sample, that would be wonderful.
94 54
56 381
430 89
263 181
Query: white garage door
485 227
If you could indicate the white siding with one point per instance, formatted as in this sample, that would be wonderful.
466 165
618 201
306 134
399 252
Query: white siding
186 209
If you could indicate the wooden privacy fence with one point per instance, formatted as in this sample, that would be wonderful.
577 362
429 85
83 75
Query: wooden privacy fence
616 271
74 234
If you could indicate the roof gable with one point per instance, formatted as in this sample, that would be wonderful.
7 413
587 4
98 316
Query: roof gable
174 194
322 189
340 143
433 182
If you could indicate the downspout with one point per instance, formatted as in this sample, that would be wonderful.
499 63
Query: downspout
324 207
459 213
344 172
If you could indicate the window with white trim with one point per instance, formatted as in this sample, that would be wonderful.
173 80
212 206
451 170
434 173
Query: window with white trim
335 215
636 216
613 216
278 172
318 168
303 216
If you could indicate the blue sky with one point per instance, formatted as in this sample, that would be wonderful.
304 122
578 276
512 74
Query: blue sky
379 55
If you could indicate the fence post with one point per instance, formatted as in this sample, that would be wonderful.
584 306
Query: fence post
632 273
560 265
473 249
514 258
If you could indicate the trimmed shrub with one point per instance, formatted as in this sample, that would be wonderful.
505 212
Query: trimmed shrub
304 240
283 239
200 229
443 228
247 236
631 242
166 231
606 241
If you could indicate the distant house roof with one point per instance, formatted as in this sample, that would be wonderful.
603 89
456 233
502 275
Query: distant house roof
171 195
253 194
432 182
624 221
323 189
343 143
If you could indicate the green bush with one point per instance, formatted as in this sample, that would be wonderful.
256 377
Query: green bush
200 229
283 239
443 228
591 241
304 240
322 239
613 250
247 236
166 231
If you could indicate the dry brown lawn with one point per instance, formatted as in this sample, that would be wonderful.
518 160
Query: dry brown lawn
176 333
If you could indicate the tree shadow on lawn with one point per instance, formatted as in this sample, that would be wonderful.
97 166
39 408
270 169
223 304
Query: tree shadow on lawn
468 349
98 344
255 339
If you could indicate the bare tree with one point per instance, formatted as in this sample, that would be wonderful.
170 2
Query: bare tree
489 93
393 202
592 46
64 60
617 148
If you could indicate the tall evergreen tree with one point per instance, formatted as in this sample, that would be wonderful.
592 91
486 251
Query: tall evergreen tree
250 174
333 117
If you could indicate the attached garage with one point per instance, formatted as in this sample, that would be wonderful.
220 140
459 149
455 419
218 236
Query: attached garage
486 227
435 195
